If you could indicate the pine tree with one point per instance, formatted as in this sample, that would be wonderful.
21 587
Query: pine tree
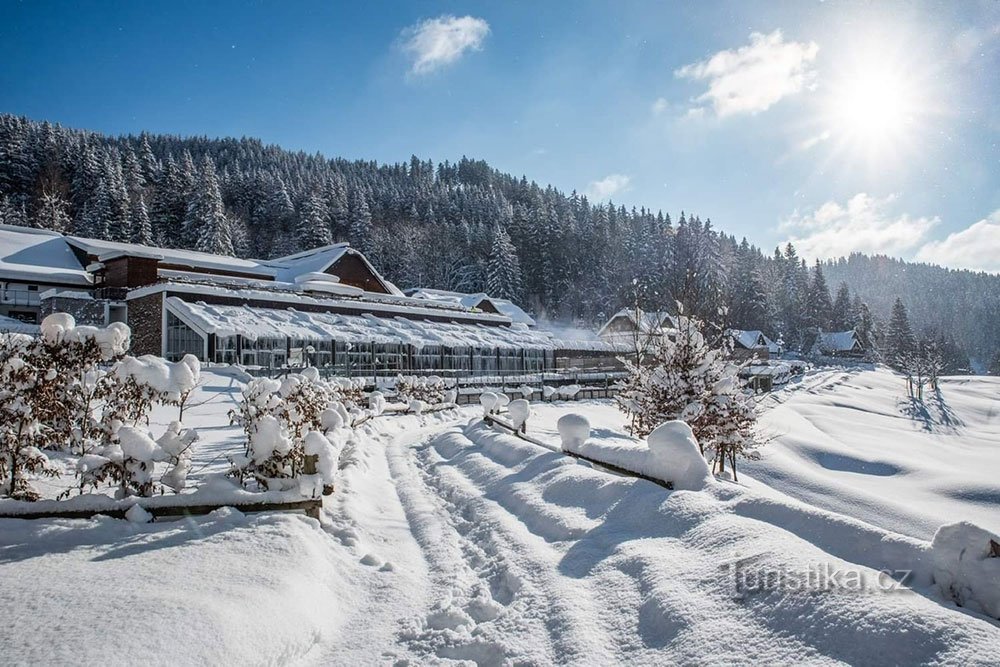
142 229
205 224
360 231
503 271
314 226
12 213
53 213
900 343
683 377
842 318
818 306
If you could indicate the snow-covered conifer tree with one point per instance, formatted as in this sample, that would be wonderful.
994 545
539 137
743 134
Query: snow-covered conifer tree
205 225
683 377
503 270
314 224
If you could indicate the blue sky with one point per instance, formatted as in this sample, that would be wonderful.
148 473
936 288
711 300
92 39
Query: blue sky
841 125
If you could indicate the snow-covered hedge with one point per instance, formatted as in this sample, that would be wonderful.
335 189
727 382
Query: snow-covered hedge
430 389
73 388
295 428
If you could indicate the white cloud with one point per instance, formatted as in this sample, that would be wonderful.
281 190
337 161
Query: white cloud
607 187
863 224
976 247
660 105
435 43
754 77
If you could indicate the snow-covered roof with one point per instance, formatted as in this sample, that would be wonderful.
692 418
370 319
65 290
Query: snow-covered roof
253 323
836 341
12 325
109 249
651 322
38 255
753 339
503 306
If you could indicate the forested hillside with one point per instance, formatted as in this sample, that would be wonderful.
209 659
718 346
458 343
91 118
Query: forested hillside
467 227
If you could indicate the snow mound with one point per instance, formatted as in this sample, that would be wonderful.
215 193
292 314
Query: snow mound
574 430
674 456
488 400
966 567
518 411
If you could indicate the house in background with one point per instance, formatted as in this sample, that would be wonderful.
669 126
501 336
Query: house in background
630 327
753 345
327 307
841 344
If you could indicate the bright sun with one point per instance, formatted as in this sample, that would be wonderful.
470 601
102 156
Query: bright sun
876 104
873 109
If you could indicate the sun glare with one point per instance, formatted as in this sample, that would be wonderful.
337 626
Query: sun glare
876 104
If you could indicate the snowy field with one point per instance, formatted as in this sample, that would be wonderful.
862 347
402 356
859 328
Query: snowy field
448 541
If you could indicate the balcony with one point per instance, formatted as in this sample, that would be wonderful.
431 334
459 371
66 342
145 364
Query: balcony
19 297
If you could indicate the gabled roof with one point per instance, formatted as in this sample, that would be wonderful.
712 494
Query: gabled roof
474 300
647 322
38 255
837 341
318 260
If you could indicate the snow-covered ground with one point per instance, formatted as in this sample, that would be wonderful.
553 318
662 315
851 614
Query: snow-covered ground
446 540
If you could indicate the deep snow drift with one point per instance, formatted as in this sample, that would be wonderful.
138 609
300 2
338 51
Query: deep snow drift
448 540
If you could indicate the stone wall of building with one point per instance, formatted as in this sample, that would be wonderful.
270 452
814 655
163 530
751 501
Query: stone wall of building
145 318
84 310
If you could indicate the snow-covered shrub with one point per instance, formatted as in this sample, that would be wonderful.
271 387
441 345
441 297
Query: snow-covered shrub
376 402
176 444
674 456
349 391
966 562
280 419
48 387
430 389
685 378
574 430
416 406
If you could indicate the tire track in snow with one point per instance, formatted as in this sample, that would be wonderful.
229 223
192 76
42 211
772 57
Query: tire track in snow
494 603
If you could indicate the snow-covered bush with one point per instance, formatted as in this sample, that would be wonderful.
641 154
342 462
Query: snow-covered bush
48 386
574 430
430 389
283 421
129 462
966 561
685 378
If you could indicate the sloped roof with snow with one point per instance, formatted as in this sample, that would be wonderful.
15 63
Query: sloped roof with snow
38 255
253 323
503 306
648 322
108 249
837 341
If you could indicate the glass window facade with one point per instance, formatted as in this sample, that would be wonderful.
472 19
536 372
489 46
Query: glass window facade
182 339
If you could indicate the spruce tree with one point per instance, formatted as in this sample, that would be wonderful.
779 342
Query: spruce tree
205 225
313 229
360 231
142 229
841 318
818 306
900 343
503 271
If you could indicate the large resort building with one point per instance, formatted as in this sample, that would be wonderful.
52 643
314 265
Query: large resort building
327 307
